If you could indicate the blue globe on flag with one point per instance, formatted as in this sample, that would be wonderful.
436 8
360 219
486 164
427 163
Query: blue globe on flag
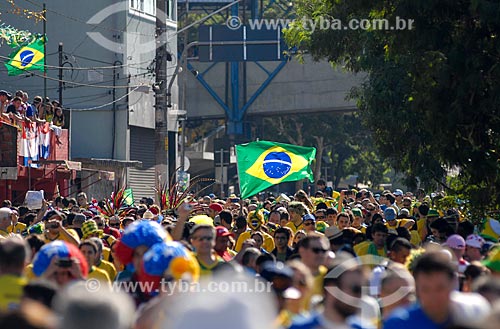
277 164
26 57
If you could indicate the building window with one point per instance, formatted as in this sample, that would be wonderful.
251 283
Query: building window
144 6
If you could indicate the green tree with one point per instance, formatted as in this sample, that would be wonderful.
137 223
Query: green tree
431 93
339 138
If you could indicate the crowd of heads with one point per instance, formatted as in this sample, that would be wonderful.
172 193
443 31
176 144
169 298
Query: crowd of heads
346 257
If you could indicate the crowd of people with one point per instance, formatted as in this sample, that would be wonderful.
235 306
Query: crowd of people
334 259
16 109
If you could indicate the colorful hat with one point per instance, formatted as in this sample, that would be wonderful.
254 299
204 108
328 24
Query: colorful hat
321 226
493 261
475 241
357 212
216 207
455 241
90 227
60 249
432 213
139 233
202 220
168 259
222 231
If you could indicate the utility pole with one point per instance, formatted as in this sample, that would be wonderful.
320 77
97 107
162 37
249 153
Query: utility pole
161 131
60 50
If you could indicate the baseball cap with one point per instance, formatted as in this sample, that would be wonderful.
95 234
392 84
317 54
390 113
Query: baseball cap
357 212
222 231
308 217
475 241
398 192
390 214
455 241
216 207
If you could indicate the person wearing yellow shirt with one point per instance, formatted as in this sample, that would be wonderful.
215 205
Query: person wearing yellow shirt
377 246
16 227
392 222
102 264
202 238
13 256
312 250
89 250
296 210
255 220
54 230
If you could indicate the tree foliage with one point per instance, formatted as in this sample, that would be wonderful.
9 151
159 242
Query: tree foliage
432 93
341 144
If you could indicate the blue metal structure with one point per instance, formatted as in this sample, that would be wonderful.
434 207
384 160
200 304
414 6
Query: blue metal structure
235 109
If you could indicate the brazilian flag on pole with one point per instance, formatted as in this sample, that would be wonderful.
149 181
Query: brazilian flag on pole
27 58
264 164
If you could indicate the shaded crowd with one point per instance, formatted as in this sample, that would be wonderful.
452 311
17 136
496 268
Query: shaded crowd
17 108
348 259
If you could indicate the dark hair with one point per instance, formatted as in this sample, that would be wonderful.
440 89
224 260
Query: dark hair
6 203
398 244
35 242
434 262
320 182
284 215
404 233
42 291
226 216
423 209
265 257
247 255
331 211
379 227
65 202
281 230
241 222
13 253
390 197
321 206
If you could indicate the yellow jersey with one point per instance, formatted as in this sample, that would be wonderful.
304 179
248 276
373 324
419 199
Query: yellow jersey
98 274
11 291
268 243
109 268
294 228
17 229
206 269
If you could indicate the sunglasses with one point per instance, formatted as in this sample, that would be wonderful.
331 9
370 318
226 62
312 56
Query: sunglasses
114 224
319 250
308 224
370 209
203 238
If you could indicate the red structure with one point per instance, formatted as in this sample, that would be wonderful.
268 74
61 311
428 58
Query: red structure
53 175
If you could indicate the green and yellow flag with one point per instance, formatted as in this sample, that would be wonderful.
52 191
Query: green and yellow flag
264 164
27 58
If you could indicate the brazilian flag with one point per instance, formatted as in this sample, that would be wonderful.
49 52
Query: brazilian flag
263 164
27 58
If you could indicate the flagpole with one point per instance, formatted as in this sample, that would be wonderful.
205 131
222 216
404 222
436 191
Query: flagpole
44 53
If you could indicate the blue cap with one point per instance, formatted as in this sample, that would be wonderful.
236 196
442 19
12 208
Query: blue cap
390 214
308 217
